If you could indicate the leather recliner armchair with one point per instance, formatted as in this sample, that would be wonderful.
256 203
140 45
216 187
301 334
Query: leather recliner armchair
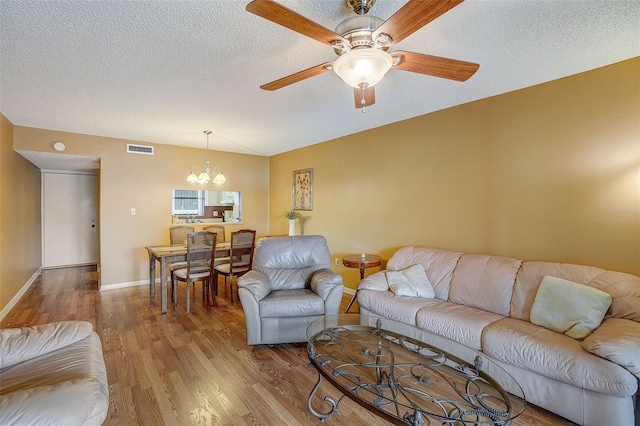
290 285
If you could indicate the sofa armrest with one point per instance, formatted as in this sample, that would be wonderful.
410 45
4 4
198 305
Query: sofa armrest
376 281
21 344
323 281
256 283
617 340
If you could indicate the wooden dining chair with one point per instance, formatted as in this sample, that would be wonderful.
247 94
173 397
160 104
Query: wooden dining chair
200 249
240 259
218 229
178 234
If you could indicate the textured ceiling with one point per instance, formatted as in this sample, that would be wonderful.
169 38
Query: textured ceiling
164 71
72 163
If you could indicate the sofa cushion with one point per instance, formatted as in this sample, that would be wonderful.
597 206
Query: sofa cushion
456 322
530 276
555 355
291 303
437 263
570 308
388 305
411 281
484 282
617 340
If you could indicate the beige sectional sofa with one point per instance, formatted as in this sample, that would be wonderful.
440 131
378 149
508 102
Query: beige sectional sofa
52 374
485 302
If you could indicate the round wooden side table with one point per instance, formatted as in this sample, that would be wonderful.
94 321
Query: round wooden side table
357 261
362 263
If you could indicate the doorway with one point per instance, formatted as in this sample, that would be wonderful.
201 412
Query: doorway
70 226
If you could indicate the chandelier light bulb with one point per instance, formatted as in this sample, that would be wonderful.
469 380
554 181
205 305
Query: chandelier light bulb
192 178
203 178
219 179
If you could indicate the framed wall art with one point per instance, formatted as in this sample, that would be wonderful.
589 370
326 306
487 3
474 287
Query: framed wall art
303 189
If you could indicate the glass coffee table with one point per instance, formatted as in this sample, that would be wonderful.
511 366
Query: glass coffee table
408 380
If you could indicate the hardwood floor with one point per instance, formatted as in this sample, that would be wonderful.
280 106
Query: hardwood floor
182 369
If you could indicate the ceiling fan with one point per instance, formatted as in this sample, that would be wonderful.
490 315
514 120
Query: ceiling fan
361 43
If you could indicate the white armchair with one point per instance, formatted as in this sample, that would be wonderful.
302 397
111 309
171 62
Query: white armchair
290 285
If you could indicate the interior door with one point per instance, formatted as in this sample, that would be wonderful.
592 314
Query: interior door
70 213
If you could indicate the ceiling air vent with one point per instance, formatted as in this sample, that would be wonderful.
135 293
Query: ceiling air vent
139 149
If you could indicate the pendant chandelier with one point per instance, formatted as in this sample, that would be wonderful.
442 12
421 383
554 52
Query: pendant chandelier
205 174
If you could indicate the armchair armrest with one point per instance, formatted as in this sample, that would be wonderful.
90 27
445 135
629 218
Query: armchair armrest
21 344
257 283
377 281
252 288
323 281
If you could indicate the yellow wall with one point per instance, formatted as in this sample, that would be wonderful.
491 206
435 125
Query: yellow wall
20 236
145 183
546 173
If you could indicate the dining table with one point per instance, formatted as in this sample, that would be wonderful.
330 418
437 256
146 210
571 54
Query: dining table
165 255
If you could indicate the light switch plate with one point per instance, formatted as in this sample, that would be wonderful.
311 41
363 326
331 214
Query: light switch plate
133 211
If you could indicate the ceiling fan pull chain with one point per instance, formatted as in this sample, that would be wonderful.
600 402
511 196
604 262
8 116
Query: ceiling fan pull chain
363 86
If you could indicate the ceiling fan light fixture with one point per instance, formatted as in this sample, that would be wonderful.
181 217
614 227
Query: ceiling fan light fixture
363 67
360 7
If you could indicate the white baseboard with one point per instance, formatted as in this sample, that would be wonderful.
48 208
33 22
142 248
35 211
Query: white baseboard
116 286
349 291
14 301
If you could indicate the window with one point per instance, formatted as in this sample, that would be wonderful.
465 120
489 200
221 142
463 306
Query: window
188 201
223 206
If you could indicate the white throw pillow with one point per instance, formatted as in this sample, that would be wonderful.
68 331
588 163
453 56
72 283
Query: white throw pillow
411 281
570 308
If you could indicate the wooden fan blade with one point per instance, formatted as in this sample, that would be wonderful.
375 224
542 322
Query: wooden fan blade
294 78
281 15
369 97
413 16
434 65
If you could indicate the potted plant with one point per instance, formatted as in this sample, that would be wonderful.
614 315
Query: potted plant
292 215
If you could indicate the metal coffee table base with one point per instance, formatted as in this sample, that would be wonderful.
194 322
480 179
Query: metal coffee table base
415 419
405 381
335 406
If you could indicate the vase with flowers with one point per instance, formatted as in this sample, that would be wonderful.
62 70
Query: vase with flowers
292 216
